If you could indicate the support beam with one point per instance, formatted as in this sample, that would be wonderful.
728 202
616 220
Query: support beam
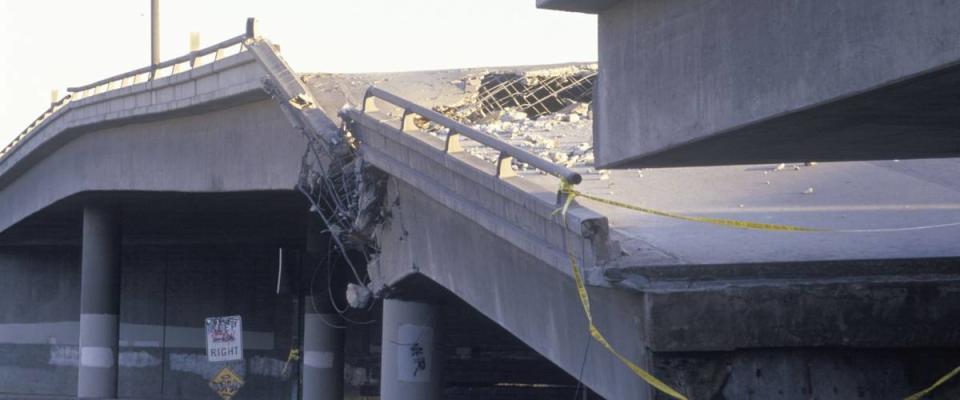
99 303
410 360
322 353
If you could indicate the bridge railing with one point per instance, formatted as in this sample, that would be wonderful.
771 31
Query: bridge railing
54 107
167 68
508 152
164 69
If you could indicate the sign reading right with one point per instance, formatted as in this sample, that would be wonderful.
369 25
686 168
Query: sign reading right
224 338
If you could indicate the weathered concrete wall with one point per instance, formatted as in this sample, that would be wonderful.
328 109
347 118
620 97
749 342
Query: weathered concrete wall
167 291
39 320
676 72
809 373
917 312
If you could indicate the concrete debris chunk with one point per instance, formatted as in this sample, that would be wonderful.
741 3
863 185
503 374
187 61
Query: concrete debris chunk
578 108
358 296
512 116
558 157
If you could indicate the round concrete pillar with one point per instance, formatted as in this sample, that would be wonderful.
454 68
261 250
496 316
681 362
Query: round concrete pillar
410 362
322 372
99 303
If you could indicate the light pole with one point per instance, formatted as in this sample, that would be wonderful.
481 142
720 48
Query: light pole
154 32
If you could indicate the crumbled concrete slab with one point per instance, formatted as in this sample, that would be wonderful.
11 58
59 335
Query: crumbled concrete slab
884 194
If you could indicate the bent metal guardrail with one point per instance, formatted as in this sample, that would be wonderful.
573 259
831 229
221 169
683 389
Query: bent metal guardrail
167 68
508 152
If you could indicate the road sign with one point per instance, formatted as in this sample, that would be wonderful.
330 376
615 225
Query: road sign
224 338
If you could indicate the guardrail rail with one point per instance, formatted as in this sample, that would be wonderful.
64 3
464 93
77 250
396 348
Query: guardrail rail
149 73
508 152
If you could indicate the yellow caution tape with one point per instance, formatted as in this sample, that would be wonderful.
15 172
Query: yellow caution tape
294 355
919 395
732 223
594 332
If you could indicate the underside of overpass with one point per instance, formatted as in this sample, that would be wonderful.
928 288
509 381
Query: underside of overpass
186 257
391 258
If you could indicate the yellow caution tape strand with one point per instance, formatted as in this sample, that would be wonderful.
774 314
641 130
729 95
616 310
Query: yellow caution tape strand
294 355
594 332
567 188
919 395
732 223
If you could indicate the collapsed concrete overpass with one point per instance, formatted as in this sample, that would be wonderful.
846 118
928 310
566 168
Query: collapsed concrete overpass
199 170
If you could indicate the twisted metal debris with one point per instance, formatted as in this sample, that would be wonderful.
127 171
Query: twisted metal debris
535 93
342 189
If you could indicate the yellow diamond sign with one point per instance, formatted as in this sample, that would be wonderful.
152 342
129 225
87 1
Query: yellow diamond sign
226 383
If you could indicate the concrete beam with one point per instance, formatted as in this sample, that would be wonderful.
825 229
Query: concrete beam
686 83
583 6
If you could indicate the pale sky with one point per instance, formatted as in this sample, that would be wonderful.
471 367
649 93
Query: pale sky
53 44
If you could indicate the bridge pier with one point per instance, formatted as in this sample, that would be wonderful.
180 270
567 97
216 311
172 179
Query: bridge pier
99 303
410 362
322 373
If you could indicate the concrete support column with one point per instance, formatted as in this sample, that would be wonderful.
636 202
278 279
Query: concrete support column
322 354
99 303
410 362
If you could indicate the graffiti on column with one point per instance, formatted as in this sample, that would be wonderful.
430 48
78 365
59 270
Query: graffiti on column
414 353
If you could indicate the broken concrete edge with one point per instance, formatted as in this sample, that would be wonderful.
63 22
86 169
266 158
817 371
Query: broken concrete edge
292 87
504 208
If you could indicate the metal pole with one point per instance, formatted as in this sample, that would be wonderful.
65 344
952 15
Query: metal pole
154 32
99 303
410 360
322 353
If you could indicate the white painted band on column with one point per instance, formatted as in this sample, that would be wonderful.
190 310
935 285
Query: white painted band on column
318 359
98 330
98 357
